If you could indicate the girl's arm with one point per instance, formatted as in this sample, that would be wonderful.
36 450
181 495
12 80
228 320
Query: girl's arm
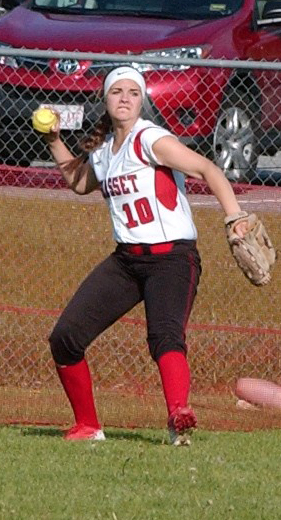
173 154
79 175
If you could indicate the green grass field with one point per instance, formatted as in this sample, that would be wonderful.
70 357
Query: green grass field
137 475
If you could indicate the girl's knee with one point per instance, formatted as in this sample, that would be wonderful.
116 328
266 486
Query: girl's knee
160 345
66 348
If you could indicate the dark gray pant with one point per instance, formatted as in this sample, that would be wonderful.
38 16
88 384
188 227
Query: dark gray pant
166 282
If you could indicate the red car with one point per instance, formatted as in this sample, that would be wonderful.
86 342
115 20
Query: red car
230 114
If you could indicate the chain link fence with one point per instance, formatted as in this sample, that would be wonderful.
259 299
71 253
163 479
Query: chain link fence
52 238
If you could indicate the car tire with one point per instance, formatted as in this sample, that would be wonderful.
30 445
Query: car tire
235 143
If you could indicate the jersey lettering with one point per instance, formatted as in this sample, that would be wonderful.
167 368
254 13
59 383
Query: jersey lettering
122 185
116 186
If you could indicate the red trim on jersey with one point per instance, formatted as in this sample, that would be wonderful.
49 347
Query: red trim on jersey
166 189
137 147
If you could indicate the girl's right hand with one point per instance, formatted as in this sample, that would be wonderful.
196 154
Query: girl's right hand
54 134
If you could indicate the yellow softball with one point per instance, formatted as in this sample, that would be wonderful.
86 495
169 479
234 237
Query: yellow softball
43 119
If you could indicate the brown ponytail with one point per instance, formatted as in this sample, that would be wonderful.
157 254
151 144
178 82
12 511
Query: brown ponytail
93 141
87 145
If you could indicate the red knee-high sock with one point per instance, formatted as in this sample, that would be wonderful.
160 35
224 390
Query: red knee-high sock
175 375
77 383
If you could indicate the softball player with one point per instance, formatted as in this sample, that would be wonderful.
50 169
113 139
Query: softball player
140 169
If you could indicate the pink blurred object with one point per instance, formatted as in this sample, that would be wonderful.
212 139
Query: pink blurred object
258 392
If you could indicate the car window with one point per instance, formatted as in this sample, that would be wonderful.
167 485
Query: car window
174 8
270 9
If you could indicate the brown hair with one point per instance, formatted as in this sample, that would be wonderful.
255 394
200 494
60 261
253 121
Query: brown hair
87 145
97 137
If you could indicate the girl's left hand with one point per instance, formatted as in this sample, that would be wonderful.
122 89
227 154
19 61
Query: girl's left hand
241 228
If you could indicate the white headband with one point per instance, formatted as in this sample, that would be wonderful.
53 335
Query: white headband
124 73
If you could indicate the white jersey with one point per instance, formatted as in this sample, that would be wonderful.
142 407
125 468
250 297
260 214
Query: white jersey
147 201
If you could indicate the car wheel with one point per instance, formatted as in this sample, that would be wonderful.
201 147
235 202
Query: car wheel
235 143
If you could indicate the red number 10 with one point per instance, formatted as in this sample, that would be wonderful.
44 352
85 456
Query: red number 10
143 210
